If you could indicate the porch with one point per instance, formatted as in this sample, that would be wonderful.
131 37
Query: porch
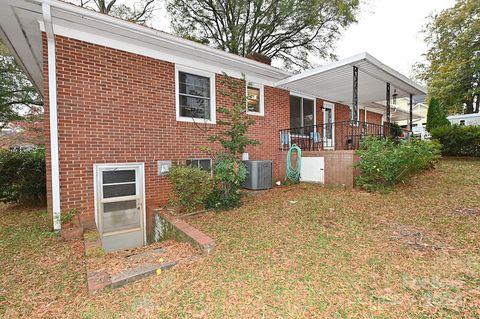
358 86
344 135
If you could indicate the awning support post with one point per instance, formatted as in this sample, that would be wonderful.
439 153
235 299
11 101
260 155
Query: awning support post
388 105
411 113
354 113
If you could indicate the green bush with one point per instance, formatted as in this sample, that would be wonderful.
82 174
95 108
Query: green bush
22 176
384 163
191 187
229 173
458 140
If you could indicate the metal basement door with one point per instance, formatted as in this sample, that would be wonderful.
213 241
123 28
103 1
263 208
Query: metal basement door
120 211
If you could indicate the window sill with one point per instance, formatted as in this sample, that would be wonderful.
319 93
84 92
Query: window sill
196 121
255 113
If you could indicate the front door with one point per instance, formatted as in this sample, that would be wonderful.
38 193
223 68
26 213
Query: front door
119 200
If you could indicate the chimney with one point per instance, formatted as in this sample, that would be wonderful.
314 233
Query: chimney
260 58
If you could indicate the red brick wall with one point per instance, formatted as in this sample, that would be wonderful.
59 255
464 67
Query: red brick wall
118 107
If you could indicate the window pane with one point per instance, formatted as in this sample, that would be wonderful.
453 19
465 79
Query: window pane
119 190
120 216
118 176
308 112
295 112
206 164
253 99
194 107
194 84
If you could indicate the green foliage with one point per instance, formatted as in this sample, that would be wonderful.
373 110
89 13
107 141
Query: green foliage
229 173
138 11
458 140
234 138
191 187
68 216
16 91
452 71
22 176
436 115
384 163
288 30
395 130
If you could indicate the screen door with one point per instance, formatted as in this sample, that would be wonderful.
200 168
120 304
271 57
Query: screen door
329 128
120 215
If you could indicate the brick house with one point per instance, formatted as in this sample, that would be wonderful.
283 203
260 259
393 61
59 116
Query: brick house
120 97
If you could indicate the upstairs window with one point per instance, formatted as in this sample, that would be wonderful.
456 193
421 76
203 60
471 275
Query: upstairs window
195 96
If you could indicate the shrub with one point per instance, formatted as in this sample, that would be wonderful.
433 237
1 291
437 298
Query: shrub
229 173
436 115
384 163
22 176
191 187
458 140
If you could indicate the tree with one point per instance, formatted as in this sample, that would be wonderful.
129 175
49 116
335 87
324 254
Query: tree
17 94
452 70
436 115
234 138
287 30
139 11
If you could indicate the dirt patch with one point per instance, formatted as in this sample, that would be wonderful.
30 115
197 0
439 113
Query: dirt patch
467 212
416 238
167 251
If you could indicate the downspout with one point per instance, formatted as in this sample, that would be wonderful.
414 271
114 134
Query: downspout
52 98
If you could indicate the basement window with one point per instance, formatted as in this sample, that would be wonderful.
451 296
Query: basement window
202 163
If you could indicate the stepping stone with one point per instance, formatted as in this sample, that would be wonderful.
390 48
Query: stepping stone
147 253
137 273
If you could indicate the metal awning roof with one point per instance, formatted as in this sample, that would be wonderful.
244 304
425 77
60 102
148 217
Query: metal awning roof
334 82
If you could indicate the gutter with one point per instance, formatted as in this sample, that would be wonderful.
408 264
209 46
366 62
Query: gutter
52 98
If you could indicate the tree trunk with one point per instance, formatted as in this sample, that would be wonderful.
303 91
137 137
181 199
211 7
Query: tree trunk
477 104
469 106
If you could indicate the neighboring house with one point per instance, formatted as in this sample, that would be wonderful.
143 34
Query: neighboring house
420 110
121 100
465 119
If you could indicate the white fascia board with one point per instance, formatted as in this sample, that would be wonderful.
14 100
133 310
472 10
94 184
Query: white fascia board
149 50
351 61
321 69
81 18
394 73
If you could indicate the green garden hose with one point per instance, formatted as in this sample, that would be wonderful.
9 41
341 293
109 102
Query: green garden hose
294 174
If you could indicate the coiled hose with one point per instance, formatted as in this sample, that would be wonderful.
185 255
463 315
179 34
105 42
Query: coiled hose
293 174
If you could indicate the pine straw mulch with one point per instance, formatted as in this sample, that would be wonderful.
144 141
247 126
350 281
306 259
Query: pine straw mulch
301 251
157 253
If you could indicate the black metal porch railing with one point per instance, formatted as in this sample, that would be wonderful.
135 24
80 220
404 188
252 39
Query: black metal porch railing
330 136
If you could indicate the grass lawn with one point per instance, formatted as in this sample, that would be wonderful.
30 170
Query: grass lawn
293 252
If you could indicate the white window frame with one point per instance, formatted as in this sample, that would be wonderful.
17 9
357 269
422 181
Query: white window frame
213 108
262 98
96 195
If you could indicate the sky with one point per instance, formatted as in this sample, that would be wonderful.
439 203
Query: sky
390 30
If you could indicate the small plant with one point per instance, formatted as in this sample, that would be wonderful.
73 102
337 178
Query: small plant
229 173
67 218
191 187
384 163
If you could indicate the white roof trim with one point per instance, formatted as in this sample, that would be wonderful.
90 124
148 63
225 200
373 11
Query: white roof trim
339 69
